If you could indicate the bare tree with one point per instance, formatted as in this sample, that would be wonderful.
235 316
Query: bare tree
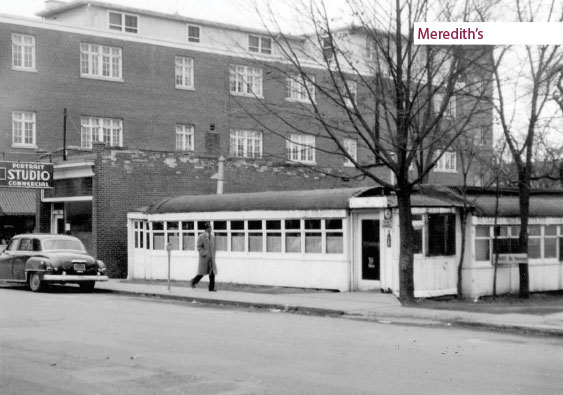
535 90
403 105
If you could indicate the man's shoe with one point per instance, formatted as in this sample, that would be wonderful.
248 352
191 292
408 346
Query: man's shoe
212 290
192 284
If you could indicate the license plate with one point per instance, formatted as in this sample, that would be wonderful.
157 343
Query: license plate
79 267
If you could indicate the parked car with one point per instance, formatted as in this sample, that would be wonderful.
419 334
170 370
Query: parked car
42 259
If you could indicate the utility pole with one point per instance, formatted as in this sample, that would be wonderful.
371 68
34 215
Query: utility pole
64 135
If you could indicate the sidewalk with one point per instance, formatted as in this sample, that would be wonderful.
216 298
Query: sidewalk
371 306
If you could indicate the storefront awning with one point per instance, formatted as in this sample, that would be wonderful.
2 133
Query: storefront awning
17 202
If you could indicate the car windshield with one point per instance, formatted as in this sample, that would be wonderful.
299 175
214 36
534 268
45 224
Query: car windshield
62 244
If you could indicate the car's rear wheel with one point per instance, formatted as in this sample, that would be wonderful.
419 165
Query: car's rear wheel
87 285
35 282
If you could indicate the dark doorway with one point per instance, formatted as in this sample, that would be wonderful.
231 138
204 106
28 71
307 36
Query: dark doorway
370 249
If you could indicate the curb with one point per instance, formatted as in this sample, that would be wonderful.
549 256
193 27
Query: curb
383 319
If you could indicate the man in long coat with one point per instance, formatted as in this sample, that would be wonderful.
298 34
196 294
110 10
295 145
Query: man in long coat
206 249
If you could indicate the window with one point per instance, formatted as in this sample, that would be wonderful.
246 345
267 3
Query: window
103 130
292 235
184 138
482 135
301 148
313 236
100 61
351 147
246 143
300 88
184 73
482 243
255 236
245 80
273 236
534 242
328 50
221 235
550 241
188 235
237 236
193 33
451 108
350 99
23 129
139 230
418 226
505 239
441 234
123 22
260 44
447 163
23 52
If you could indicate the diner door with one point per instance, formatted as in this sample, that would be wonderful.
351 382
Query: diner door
370 250
58 222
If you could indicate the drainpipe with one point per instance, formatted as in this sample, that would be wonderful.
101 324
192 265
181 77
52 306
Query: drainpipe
220 175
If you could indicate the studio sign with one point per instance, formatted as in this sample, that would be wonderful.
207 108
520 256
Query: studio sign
26 175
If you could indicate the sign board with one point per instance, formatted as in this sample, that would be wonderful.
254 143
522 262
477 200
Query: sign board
511 259
26 175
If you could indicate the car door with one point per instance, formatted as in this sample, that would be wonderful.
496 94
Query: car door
21 255
7 260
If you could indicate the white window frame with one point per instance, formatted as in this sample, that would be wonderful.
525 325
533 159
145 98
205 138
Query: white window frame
122 27
97 129
300 148
185 136
447 163
184 72
24 128
299 90
23 52
193 38
260 48
246 143
351 147
96 59
350 101
246 81
450 111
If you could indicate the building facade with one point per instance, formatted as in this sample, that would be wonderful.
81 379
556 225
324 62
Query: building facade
133 105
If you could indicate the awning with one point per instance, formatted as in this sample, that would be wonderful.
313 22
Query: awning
17 202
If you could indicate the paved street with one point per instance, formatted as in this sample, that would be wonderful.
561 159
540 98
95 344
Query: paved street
66 342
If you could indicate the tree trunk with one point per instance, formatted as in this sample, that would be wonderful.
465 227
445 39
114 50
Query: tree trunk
524 200
406 254
463 221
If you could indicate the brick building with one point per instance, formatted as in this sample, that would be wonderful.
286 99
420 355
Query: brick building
134 105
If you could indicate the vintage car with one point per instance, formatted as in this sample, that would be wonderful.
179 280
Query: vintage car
42 259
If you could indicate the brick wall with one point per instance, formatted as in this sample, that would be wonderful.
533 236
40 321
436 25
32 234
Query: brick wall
129 179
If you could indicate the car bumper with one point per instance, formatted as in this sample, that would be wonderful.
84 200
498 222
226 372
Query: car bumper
73 278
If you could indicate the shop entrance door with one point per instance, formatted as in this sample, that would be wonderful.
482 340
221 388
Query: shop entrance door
370 250
58 222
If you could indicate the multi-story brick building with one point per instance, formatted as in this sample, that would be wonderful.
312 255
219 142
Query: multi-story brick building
134 105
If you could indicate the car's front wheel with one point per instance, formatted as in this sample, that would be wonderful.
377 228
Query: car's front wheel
87 286
35 282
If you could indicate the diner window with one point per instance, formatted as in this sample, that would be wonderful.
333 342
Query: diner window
441 234
237 236
100 61
293 235
534 242
505 239
158 235
184 69
418 226
188 235
245 81
221 235
123 22
273 236
23 52
482 243
139 230
259 44
561 243
550 241
334 236
313 236
255 237
194 33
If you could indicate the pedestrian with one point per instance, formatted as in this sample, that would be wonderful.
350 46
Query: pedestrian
206 249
